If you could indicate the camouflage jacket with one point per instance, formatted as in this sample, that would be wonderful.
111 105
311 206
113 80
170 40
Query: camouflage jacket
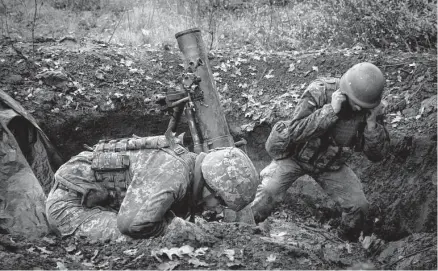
319 138
140 180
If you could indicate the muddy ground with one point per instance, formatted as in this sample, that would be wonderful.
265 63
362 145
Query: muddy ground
83 91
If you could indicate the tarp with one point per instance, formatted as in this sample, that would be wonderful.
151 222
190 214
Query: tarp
27 164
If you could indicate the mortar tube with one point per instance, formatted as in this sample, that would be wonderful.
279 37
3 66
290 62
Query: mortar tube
213 126
197 146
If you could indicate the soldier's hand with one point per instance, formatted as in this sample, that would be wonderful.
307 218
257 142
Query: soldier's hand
337 99
373 113
96 198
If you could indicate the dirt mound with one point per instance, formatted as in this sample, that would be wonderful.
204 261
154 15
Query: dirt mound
87 91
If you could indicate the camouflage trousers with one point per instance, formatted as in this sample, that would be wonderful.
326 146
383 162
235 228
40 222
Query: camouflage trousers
342 185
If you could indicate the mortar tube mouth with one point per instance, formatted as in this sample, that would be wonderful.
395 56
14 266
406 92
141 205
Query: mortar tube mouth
188 31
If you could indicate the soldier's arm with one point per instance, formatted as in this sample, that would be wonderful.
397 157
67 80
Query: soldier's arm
376 141
150 220
150 229
313 115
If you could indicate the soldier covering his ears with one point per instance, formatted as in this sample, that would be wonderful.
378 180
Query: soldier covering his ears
333 118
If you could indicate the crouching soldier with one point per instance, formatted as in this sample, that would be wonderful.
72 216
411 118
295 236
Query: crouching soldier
139 187
333 118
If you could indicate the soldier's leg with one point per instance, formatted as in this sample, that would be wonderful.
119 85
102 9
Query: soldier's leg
65 211
277 177
344 187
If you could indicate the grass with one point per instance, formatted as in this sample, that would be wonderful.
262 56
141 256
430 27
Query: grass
314 24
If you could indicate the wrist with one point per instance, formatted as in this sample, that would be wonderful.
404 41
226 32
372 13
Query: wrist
371 125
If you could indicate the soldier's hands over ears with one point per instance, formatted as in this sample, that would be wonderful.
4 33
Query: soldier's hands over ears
373 113
337 99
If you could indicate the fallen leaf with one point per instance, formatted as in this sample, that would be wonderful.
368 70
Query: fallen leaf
244 85
130 252
168 265
396 119
186 249
44 250
107 68
88 264
103 265
96 252
349 249
230 254
128 63
49 240
224 67
60 266
269 75
291 67
172 251
271 258
283 233
235 265
196 262
237 72
99 75
139 257
200 251
248 127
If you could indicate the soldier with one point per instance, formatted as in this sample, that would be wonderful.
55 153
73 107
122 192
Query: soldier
333 118
140 187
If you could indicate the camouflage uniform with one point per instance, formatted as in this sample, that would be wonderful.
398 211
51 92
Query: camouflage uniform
318 142
132 186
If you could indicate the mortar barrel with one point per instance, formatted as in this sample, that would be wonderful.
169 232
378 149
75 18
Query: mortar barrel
210 117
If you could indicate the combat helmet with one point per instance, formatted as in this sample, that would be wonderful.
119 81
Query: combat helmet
363 84
231 175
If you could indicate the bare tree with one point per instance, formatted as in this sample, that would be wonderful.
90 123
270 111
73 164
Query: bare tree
33 27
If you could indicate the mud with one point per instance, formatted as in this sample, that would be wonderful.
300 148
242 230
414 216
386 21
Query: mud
101 91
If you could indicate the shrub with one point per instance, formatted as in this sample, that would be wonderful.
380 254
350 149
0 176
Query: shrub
265 24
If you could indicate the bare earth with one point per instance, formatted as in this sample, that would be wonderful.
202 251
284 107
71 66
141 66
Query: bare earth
83 91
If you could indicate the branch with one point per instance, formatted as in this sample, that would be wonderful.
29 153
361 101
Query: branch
120 20
33 28
407 256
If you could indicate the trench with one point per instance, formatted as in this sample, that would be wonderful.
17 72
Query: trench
395 187
70 135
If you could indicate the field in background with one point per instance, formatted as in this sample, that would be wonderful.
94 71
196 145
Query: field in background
410 25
